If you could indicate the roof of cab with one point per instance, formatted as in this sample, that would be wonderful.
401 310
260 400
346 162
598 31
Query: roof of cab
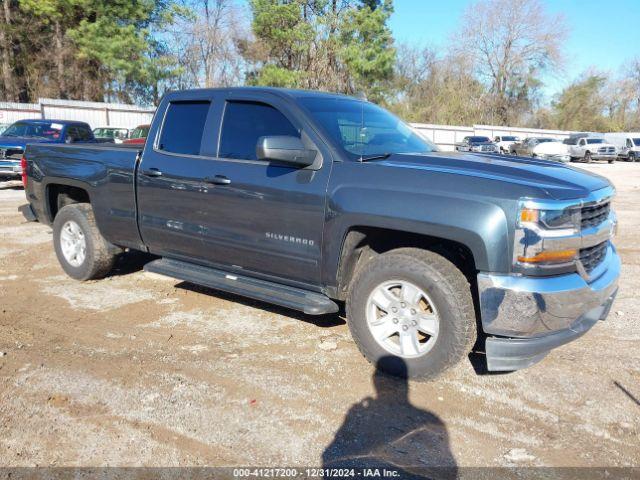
287 92
51 120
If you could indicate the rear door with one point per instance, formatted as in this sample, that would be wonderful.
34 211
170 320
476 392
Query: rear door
264 218
171 193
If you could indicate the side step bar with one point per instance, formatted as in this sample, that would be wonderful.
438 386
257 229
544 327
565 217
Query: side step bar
310 303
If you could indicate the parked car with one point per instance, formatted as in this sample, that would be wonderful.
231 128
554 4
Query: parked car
477 144
139 135
627 145
525 147
504 142
277 195
555 151
111 134
15 138
585 147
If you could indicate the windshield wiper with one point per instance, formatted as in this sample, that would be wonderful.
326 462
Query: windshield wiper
380 156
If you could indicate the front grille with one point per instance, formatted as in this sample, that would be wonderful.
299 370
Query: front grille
592 256
607 150
486 148
10 153
593 215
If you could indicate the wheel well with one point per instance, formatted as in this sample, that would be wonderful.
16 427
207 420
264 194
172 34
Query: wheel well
363 243
59 196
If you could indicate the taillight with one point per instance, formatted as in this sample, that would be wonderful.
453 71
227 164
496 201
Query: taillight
23 165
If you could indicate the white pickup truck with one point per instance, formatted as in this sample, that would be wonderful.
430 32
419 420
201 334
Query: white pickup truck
587 148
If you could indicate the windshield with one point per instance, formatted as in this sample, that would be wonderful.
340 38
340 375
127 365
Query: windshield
636 142
119 133
363 129
509 139
479 139
544 140
594 140
50 131
140 132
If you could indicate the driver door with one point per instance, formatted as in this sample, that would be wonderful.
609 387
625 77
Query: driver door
264 218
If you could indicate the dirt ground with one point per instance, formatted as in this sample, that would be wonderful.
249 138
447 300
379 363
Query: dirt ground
137 369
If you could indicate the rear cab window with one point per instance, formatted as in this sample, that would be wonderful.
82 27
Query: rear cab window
244 122
183 127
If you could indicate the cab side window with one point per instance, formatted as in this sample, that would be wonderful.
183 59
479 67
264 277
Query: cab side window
183 127
245 122
84 133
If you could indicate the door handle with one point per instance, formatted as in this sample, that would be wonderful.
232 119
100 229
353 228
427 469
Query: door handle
218 180
152 172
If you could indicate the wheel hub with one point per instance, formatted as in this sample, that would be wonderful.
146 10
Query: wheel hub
73 243
402 318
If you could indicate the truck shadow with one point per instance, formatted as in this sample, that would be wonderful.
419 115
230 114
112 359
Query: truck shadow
388 432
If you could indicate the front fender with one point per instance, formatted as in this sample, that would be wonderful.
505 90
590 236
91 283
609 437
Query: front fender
478 224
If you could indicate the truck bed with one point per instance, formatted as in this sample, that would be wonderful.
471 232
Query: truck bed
105 171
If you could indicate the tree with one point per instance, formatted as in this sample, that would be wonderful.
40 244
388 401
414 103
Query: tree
512 43
368 52
206 43
344 46
580 106
434 88
83 49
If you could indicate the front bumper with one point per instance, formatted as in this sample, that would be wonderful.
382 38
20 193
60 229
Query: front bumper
525 317
10 168
604 156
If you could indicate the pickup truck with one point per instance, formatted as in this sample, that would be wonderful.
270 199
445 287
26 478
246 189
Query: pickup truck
308 200
477 144
587 148
15 138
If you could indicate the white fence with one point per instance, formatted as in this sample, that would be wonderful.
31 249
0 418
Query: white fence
99 114
96 114
446 136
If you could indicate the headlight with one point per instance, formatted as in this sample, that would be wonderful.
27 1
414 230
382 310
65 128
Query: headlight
539 237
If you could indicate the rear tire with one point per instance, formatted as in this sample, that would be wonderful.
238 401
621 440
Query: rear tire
443 298
81 249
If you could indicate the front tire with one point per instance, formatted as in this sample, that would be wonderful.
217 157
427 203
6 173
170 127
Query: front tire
411 313
587 157
81 249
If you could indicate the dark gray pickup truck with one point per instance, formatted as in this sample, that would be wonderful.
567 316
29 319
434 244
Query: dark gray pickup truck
307 200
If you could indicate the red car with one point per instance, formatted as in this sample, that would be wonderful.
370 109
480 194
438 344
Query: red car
139 135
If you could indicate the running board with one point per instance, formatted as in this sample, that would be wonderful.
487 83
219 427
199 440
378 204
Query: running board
310 303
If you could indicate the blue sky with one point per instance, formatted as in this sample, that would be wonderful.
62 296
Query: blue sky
602 34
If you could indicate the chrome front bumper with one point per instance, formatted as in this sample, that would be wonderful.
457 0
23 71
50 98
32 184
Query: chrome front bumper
535 314
10 168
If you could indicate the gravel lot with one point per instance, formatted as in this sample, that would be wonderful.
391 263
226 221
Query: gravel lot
138 369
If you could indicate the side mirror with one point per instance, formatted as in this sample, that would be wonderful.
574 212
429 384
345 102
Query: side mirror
285 149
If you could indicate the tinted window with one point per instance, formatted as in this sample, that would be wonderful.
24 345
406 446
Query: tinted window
594 140
34 130
245 122
84 133
183 127
364 129
509 139
140 132
637 142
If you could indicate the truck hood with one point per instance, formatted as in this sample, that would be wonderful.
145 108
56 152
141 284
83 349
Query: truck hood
21 142
559 181
551 148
